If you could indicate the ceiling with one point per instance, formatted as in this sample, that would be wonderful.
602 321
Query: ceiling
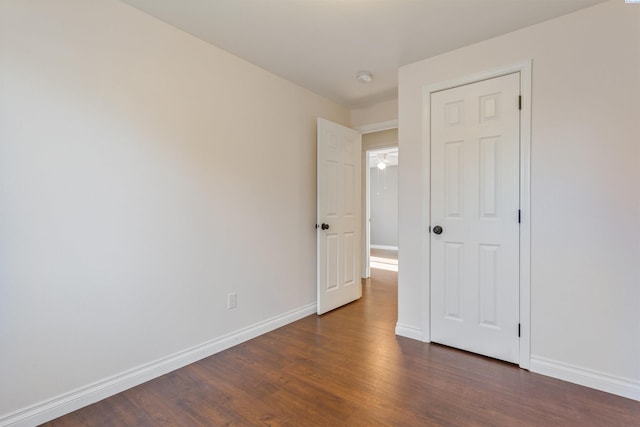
389 156
323 44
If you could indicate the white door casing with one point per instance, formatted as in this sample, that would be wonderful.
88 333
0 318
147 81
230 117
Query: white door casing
339 209
475 198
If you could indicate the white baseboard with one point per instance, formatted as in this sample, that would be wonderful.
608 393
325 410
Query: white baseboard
409 332
81 397
624 387
384 247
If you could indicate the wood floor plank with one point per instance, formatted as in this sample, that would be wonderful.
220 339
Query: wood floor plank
348 368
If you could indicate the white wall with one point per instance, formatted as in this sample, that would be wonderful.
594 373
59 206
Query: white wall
383 200
133 195
585 184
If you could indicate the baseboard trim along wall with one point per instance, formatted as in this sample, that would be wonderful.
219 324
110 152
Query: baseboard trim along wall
81 397
624 387
385 247
586 377
408 331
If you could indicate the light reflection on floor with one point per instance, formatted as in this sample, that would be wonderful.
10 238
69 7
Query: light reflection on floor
384 262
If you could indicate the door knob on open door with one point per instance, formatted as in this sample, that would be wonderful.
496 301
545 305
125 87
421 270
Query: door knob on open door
437 229
324 226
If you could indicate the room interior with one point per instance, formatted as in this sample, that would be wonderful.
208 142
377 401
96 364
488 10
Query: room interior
151 164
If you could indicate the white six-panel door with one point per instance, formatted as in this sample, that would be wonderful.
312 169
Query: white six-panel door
338 215
475 143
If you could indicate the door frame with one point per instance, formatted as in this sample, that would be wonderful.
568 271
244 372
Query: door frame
524 68
366 207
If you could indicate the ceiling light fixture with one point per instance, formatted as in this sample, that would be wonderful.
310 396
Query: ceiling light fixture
364 77
381 165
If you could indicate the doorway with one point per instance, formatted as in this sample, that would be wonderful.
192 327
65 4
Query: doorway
424 333
380 159
475 146
383 208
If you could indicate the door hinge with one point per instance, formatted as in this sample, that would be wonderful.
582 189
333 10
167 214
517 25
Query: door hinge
518 330
429 229
519 217
519 102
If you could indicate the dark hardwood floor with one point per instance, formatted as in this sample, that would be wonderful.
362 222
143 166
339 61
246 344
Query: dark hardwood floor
347 368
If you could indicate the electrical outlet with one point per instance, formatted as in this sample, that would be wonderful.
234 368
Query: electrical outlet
232 300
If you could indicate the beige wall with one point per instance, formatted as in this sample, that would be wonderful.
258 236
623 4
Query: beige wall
380 139
585 170
144 175
381 112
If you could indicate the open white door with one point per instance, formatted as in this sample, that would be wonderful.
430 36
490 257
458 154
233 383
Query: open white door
475 193
338 215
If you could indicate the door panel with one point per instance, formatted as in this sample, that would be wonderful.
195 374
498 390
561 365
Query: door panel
339 205
475 149
454 263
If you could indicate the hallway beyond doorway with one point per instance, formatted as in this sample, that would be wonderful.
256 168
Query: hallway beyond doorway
384 259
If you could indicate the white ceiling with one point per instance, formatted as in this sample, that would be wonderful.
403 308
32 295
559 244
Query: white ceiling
322 44
387 155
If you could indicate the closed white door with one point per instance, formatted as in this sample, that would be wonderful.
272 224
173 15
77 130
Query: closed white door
475 152
338 216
